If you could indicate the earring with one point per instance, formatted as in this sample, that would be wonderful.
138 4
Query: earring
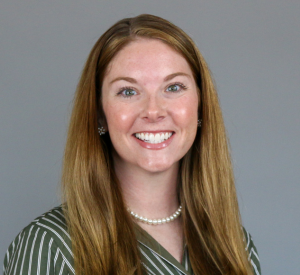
101 130
199 123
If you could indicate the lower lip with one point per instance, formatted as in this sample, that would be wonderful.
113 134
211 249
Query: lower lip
155 146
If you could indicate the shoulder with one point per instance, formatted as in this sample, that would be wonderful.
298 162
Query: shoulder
253 255
44 246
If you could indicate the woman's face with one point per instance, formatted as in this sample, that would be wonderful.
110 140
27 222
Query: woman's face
150 101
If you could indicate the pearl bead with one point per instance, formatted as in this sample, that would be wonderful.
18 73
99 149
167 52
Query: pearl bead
156 221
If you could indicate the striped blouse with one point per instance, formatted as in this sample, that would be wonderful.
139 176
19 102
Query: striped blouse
44 248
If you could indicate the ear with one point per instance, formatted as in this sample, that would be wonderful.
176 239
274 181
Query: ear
102 123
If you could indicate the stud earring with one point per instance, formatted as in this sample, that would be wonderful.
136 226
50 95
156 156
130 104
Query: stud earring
101 130
199 123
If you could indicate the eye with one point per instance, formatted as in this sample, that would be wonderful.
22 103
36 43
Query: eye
127 92
177 87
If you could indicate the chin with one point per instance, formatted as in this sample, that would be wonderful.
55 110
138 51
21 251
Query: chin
158 167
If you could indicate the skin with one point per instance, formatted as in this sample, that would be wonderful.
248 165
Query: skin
149 87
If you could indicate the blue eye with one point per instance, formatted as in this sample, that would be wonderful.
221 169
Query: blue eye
175 88
127 92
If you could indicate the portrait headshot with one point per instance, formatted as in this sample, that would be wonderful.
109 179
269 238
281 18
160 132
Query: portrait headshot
150 137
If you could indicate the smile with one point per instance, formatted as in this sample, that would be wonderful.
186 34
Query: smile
154 138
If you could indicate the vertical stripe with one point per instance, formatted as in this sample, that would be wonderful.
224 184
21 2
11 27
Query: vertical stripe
13 247
38 271
248 241
20 248
9 262
49 256
62 268
59 236
25 249
55 257
31 251
186 264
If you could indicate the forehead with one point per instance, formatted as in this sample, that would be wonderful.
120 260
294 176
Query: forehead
148 56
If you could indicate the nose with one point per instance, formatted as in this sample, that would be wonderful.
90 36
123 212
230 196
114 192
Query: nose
154 108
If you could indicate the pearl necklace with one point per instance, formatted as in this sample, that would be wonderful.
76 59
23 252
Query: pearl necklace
157 221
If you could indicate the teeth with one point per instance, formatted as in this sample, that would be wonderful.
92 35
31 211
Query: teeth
153 138
157 138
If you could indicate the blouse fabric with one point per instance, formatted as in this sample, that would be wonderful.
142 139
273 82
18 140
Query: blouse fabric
44 248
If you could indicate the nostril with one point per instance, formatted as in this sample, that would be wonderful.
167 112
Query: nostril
153 118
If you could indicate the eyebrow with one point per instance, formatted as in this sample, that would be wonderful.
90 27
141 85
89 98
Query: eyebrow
128 79
171 76
132 80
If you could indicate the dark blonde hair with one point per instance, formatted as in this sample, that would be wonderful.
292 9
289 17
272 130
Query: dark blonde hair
103 239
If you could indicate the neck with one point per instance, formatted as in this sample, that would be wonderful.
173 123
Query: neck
151 195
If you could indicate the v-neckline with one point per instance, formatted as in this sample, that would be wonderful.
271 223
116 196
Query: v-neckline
145 239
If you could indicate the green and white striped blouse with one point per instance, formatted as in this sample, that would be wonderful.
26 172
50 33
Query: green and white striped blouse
44 248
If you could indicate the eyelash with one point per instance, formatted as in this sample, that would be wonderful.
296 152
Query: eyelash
182 87
123 89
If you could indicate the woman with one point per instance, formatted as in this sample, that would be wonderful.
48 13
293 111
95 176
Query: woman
147 178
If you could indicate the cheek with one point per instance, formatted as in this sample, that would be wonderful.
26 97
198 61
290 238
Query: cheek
118 118
186 112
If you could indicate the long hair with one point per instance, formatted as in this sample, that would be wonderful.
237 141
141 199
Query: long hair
103 239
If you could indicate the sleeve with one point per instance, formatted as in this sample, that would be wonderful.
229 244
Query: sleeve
34 251
253 255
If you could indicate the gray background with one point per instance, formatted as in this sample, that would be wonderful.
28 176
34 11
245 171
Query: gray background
252 48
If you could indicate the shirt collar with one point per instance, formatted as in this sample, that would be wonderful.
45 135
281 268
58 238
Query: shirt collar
146 240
